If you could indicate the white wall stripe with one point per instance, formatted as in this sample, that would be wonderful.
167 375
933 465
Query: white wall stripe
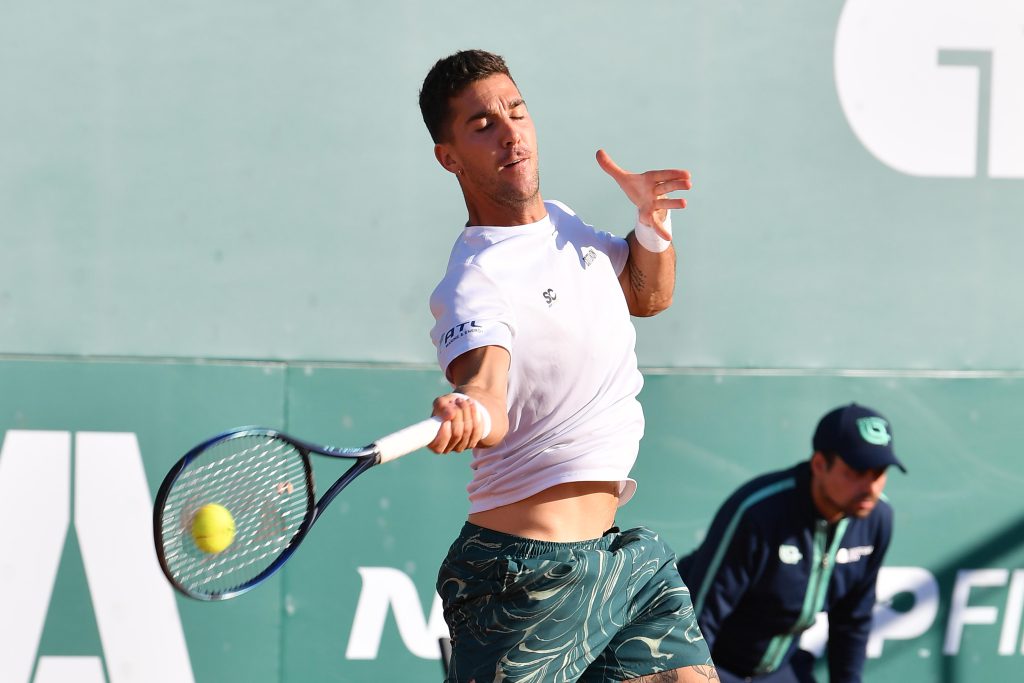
35 489
135 607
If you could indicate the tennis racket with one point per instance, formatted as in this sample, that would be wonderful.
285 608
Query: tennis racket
263 478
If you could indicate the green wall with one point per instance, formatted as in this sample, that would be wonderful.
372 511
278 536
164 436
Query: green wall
180 166
708 431
227 214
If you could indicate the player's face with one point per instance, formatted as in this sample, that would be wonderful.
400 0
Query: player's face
841 491
492 147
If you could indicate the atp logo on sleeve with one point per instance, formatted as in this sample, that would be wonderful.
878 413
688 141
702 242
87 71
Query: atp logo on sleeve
459 331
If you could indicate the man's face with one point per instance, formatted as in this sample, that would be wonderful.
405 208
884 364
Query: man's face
492 144
841 491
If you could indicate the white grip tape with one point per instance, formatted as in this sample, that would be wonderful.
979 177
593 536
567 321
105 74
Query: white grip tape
415 437
407 440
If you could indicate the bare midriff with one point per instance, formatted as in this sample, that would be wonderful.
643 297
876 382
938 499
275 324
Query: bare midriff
574 511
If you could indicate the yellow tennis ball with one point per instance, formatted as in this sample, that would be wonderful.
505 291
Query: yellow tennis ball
213 528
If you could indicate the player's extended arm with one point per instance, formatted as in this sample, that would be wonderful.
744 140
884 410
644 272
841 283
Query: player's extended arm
481 374
649 276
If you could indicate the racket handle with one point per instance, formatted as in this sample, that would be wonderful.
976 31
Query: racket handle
407 440
415 437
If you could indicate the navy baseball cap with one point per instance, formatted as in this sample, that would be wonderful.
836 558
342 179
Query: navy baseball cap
858 435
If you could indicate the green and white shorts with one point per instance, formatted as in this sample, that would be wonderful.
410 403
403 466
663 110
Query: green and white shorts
608 609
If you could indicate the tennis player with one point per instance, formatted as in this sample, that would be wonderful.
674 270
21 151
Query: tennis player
533 322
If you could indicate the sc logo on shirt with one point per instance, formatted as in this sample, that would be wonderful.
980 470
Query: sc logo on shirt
933 87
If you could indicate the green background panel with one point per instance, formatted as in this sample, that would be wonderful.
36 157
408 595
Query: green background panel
403 515
957 435
187 186
170 407
707 432
959 506
178 168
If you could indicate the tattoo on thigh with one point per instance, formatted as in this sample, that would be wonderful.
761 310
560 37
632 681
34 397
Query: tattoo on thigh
689 674
705 672
663 677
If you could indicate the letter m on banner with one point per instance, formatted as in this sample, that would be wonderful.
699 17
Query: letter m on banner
386 588
135 611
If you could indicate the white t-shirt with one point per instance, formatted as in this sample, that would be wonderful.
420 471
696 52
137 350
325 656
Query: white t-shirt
548 292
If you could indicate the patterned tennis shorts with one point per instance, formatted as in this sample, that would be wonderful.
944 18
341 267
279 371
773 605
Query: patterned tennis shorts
608 609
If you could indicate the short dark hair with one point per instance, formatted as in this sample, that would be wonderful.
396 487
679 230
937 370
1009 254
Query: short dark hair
447 78
830 458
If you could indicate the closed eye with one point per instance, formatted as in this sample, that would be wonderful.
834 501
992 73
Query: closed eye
483 119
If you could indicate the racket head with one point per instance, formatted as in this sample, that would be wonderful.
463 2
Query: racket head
265 480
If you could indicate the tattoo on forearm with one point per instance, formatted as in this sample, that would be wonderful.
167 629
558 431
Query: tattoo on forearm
637 278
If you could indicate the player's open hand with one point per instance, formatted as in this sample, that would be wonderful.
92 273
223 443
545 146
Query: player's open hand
649 191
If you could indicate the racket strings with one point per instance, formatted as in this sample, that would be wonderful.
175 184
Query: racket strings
263 482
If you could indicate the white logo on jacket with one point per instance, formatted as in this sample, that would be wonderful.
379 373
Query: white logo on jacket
790 554
854 554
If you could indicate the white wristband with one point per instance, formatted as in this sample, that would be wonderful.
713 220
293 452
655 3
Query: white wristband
649 238
485 416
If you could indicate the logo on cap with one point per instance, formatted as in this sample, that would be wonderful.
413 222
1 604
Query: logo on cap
874 430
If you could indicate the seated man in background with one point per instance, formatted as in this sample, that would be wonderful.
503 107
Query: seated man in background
795 542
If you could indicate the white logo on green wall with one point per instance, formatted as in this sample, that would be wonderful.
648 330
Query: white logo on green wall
874 430
135 609
919 83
